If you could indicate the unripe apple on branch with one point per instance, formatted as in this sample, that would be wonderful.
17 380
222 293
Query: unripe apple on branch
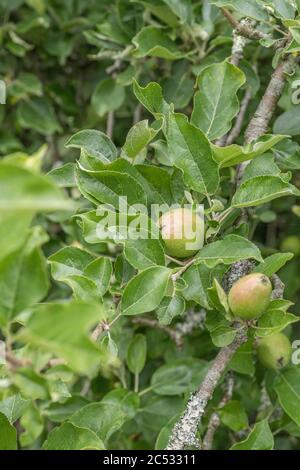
182 232
274 351
250 296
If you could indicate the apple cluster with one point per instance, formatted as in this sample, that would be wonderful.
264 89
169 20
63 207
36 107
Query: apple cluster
248 298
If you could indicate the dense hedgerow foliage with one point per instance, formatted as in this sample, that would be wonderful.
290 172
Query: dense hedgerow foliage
104 340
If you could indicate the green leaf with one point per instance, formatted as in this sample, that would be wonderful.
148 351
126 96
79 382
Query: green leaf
84 289
250 8
234 416
262 189
154 42
32 162
68 261
59 46
15 223
11 5
23 190
100 418
89 278
109 186
143 253
178 88
287 155
70 437
180 376
221 331
24 86
264 165
157 182
216 103
33 424
273 263
243 360
283 8
160 147
260 438
62 328
274 321
198 281
288 123
139 136
13 407
295 33
170 308
100 271
218 298
31 384
127 400
107 96
231 249
234 154
159 410
181 8
136 354
151 98
58 412
8 434
191 153
23 277
287 388
38 114
145 291
95 144
64 176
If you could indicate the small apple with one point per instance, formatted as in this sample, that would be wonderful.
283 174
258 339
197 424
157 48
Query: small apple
274 351
250 296
291 244
182 232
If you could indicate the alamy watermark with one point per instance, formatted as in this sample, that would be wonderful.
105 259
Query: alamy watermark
132 222
295 97
296 352
2 92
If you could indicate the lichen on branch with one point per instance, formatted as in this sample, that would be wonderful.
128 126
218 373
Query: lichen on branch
184 432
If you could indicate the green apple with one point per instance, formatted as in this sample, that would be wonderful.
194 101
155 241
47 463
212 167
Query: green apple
274 351
182 232
250 296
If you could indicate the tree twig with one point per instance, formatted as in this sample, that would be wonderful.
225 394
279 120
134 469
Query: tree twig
110 124
278 287
215 420
175 335
137 114
184 432
236 130
192 321
237 52
259 123
263 115
15 362
114 67
232 20
182 270
245 27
